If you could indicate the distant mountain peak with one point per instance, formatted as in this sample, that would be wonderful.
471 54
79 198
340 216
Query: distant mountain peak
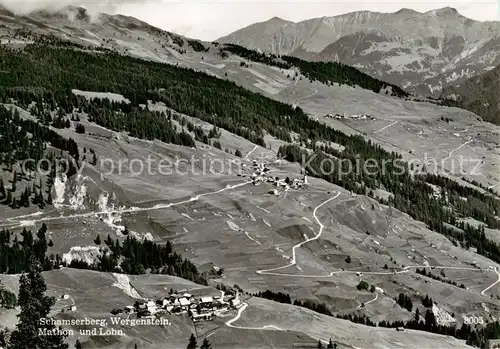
445 11
421 51
4 11
408 11
278 20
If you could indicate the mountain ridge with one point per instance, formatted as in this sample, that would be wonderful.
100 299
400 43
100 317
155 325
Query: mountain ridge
420 51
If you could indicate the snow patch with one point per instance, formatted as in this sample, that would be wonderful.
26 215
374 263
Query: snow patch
27 223
216 66
442 316
60 188
76 201
87 254
15 41
138 236
263 209
251 238
114 97
112 217
123 283
187 216
233 226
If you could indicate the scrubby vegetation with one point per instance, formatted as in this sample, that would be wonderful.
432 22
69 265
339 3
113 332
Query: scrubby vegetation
404 301
197 46
8 300
427 273
321 308
254 56
15 255
274 296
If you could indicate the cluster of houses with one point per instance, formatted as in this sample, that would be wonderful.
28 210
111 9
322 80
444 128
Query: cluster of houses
261 175
71 308
354 116
198 308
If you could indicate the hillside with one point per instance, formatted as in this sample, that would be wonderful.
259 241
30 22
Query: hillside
478 94
326 73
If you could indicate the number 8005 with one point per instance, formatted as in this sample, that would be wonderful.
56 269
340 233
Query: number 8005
473 320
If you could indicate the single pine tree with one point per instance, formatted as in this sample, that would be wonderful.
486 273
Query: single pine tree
49 198
206 344
14 181
35 306
8 200
192 342
2 189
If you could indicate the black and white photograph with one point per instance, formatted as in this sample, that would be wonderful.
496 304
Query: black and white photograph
215 174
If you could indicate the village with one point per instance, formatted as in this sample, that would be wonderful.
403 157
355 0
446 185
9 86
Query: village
354 116
261 175
199 308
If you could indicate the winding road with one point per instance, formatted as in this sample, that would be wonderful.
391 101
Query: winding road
13 221
238 315
383 128
273 271
493 284
294 256
454 150
370 301
250 152
294 262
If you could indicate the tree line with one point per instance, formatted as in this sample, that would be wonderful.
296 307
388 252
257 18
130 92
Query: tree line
429 274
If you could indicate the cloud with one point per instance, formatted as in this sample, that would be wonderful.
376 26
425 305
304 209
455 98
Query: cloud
22 7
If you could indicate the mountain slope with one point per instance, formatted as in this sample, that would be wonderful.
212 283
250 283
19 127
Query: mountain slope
263 236
419 51
479 94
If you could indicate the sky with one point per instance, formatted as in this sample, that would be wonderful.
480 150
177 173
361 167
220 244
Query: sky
210 19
